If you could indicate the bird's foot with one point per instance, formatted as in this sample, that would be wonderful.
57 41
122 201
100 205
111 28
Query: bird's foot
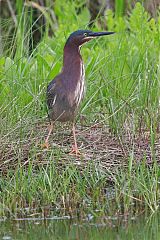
75 151
45 145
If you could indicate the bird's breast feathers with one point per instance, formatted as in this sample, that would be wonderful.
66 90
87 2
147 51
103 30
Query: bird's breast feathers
78 93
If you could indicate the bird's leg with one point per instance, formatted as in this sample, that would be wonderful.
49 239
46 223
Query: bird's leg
46 144
74 147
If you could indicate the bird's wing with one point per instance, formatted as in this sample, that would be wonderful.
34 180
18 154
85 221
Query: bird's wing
57 95
51 94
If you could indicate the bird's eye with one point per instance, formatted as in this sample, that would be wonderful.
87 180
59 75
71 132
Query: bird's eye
85 34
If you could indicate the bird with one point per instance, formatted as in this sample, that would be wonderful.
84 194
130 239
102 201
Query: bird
66 91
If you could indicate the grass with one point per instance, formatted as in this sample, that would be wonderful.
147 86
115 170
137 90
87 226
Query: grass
119 172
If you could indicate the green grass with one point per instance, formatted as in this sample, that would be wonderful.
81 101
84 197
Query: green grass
122 77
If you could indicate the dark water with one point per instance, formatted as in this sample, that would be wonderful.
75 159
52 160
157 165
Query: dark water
147 228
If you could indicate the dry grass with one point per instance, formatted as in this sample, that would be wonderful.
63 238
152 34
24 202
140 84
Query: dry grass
95 142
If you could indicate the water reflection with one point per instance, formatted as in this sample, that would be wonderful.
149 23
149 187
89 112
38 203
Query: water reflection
106 228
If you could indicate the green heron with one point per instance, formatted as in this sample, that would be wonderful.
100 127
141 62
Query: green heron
66 90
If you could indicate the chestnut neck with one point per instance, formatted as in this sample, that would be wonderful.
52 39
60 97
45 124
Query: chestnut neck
72 67
71 57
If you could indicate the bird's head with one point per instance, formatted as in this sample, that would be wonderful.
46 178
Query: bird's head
80 37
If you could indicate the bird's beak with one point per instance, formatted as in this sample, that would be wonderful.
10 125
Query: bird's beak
93 35
98 34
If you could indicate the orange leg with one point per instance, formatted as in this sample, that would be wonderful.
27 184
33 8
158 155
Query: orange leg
46 144
74 147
